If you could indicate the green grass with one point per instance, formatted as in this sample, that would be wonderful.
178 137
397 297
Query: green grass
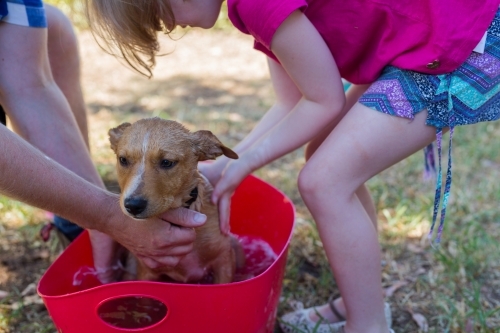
455 286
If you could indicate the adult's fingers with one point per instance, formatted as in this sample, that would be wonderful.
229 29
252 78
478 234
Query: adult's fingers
157 263
184 217
153 264
176 251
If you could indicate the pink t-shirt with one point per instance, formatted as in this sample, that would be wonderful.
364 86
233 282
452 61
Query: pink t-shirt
364 36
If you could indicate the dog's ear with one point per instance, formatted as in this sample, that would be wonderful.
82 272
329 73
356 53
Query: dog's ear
209 147
115 134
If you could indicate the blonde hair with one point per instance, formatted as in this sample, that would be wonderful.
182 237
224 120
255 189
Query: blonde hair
129 28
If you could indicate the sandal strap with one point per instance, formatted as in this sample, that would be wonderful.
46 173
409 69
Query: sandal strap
334 310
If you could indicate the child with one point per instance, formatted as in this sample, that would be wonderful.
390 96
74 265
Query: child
403 57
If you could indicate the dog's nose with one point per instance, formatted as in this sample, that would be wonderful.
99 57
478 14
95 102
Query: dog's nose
135 206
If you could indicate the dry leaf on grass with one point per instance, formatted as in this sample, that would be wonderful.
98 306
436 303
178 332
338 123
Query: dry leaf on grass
27 300
469 325
29 290
389 291
420 320
415 248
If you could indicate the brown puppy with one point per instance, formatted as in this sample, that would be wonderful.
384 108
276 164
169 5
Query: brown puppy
157 170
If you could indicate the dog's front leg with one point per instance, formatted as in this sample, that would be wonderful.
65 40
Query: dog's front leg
224 267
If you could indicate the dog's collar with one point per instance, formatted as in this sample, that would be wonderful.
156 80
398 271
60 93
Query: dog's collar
193 195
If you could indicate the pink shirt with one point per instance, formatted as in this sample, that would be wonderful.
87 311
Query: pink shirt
364 36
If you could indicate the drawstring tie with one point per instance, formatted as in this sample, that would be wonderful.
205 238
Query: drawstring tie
429 166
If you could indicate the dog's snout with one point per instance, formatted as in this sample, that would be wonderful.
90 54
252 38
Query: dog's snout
135 206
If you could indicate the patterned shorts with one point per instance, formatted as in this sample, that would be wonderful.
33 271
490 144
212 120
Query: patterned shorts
28 13
468 95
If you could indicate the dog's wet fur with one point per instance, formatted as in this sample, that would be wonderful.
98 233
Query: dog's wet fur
157 171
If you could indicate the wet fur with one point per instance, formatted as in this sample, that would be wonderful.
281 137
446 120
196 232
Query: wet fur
144 145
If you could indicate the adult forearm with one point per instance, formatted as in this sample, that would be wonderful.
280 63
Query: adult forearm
31 177
41 115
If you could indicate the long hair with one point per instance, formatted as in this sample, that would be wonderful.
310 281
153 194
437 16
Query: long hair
129 28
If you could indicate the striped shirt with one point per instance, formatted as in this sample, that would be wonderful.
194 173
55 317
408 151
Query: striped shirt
29 13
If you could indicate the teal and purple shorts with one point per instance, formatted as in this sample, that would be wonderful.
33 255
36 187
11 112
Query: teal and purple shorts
28 13
468 95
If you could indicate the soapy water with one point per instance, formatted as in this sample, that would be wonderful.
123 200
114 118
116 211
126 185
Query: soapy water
133 312
259 256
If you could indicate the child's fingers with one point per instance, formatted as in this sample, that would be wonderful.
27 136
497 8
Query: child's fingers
224 213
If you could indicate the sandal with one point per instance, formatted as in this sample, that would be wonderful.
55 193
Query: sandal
342 330
300 321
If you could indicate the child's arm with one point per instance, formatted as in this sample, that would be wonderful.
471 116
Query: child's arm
306 58
286 97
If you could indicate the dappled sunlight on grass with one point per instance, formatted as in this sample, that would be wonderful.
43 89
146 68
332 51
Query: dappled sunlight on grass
398 224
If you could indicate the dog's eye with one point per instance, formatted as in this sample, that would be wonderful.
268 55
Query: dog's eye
167 164
123 161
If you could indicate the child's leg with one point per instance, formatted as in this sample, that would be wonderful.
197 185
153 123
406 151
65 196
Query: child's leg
363 144
352 96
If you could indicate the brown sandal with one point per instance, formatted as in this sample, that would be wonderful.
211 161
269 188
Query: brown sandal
334 309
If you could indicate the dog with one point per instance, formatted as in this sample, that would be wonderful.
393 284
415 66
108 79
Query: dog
157 171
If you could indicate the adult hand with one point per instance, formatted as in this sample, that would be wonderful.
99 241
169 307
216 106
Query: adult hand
172 236
158 242
232 176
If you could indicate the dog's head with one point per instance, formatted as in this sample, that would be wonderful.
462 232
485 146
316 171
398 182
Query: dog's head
157 163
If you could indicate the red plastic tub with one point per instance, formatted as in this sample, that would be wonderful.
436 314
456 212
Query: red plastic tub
258 211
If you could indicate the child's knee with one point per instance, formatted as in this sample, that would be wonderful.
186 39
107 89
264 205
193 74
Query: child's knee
310 182
319 179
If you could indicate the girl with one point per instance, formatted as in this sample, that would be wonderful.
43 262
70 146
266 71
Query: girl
412 59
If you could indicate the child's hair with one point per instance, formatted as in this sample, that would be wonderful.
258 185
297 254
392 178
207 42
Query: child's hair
130 28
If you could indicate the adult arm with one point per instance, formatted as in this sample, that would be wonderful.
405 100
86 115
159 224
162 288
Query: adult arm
309 63
31 177
40 113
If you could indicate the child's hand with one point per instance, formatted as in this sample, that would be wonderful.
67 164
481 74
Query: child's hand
232 176
213 170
